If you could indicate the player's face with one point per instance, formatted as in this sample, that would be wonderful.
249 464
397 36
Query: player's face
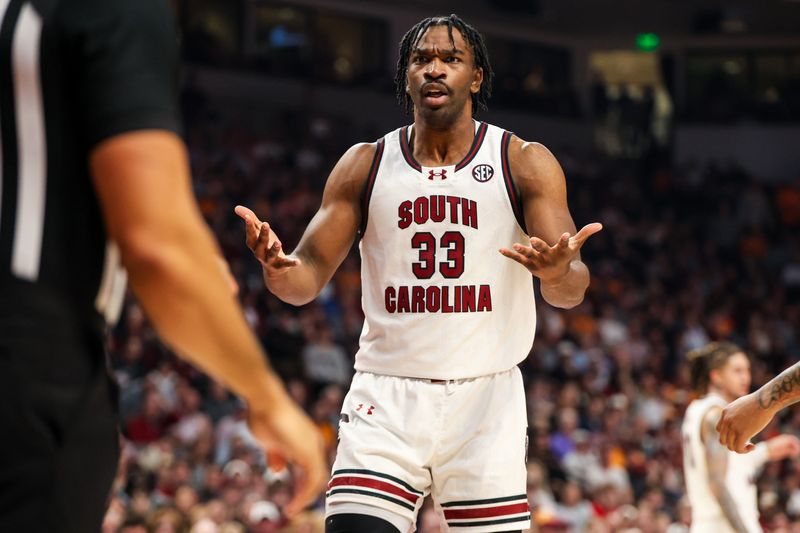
734 377
442 76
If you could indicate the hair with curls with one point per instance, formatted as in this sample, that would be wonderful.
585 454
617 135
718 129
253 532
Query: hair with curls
710 357
411 39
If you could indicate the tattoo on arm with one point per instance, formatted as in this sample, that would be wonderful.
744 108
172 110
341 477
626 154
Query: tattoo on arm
783 390
717 460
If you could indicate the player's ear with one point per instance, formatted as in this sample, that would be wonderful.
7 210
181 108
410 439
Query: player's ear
477 80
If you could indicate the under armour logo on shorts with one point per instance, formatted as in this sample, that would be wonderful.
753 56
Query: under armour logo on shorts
369 409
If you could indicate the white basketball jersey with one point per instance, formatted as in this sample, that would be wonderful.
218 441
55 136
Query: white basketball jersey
439 300
740 479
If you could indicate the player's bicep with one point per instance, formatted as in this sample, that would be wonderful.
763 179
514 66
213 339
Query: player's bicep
332 231
543 188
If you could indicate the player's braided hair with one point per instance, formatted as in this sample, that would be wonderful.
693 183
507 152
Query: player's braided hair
471 36
710 357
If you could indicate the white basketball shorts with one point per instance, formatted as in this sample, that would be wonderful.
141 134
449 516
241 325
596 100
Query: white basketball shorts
463 441
719 525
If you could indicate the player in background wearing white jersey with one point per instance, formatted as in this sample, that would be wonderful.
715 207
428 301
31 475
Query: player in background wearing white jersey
721 484
748 415
437 403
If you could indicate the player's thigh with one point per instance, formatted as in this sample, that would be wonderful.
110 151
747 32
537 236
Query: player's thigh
479 479
380 459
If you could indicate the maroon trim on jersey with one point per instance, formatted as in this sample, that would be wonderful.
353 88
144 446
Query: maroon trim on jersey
409 157
373 173
477 141
511 189
476 145
486 512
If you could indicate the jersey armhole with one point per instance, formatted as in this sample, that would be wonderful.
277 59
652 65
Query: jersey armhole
370 185
703 421
511 188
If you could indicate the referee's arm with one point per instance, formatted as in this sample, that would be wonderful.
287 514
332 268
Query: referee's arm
126 61
142 180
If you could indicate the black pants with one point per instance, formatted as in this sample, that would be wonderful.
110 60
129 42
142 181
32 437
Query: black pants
59 440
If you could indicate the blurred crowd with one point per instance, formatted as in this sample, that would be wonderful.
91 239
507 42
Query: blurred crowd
687 255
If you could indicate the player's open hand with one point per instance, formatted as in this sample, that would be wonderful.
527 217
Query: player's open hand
286 429
264 244
740 421
547 262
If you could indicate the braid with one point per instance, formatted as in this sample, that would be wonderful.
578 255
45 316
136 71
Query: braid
471 36
710 357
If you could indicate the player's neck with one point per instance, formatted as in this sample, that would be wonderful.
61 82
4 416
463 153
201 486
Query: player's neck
721 393
436 146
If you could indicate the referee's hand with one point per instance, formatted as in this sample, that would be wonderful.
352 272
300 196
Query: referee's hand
286 429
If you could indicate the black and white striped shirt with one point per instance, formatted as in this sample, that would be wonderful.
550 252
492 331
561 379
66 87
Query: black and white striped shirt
72 74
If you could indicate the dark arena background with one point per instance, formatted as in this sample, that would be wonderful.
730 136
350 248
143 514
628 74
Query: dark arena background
677 124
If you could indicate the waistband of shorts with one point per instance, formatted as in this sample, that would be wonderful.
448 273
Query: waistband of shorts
437 381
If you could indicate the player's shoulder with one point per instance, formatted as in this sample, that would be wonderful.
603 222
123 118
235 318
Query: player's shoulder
360 157
360 152
354 168
704 408
531 163
529 152
708 423
711 414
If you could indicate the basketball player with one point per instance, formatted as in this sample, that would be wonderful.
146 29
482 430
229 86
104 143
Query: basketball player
454 216
721 484
90 152
748 415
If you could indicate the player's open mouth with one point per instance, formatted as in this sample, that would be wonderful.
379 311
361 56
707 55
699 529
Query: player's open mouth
434 94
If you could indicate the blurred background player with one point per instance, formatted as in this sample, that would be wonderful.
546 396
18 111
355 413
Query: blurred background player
437 405
88 100
721 484
746 416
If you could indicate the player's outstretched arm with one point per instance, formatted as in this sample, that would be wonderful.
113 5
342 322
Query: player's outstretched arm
297 278
748 415
717 460
142 181
553 253
782 447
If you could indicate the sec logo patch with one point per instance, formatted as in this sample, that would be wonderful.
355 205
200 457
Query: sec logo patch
482 173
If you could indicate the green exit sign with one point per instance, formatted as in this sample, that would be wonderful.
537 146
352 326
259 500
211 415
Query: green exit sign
648 42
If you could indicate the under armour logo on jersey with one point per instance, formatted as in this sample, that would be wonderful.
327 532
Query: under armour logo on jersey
442 174
369 409
482 173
